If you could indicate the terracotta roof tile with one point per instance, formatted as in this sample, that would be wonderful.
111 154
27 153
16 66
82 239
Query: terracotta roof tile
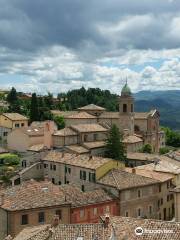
81 115
84 161
77 149
132 139
96 144
92 107
67 131
89 128
15 116
124 180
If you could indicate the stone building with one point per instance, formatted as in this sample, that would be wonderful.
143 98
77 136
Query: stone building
165 202
138 195
176 192
138 128
83 170
10 121
32 137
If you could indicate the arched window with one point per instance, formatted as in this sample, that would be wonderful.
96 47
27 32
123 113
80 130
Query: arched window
124 108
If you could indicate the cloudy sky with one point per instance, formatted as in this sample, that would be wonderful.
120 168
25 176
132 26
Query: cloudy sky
57 45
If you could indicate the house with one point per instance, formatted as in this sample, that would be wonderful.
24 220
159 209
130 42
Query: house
165 197
30 204
138 195
10 121
31 138
83 170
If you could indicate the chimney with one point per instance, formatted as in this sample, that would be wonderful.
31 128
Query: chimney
55 222
134 170
106 221
2 199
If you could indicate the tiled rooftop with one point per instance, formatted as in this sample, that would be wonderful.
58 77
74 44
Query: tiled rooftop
77 149
15 116
132 139
36 148
81 115
92 107
124 229
96 144
67 131
32 131
84 161
119 228
33 194
89 128
124 180
141 156
160 176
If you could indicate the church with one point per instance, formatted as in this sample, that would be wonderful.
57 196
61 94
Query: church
87 128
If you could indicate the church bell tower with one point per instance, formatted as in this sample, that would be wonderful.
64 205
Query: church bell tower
126 109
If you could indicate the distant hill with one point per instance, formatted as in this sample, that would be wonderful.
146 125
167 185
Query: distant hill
166 102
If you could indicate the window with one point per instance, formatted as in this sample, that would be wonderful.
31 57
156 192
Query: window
126 214
82 175
41 217
51 166
16 125
95 136
82 213
53 180
24 163
92 177
5 134
54 167
45 165
24 219
150 209
95 211
83 188
59 213
139 193
168 197
59 182
124 108
85 138
161 201
22 124
139 212
159 188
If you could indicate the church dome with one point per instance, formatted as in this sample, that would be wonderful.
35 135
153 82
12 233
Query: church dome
126 91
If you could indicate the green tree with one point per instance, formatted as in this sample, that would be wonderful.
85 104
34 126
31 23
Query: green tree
164 150
34 109
114 146
147 148
13 101
172 137
59 120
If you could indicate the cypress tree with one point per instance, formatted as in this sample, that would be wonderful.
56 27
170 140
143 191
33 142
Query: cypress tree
114 146
34 109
